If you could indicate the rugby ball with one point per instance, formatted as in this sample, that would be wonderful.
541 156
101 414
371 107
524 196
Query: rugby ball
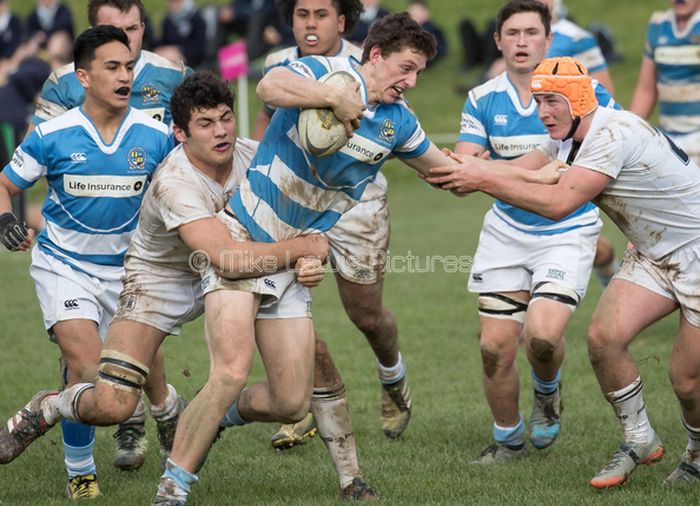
320 132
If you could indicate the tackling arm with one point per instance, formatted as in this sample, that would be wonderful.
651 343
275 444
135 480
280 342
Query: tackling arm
247 259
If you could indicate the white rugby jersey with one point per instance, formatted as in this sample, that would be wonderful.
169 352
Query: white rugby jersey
95 189
569 39
677 58
654 194
180 194
494 117
288 192
155 78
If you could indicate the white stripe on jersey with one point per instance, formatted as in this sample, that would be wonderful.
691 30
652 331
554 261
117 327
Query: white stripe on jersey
54 198
26 166
677 55
516 145
414 141
88 244
590 58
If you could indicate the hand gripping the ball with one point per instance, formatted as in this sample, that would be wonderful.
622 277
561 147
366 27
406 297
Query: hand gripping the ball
14 235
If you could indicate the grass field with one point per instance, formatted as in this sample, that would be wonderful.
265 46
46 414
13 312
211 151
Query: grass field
438 328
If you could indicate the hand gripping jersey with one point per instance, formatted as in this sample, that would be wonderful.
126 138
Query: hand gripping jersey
677 59
569 39
288 192
155 78
95 189
494 118
654 194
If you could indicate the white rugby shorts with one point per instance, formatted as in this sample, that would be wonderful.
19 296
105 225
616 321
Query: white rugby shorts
508 260
676 277
65 293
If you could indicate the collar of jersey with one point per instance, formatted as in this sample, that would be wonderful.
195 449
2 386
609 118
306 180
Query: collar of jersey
95 133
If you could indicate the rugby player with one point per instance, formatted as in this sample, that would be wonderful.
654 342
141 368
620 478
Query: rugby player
650 188
98 160
530 272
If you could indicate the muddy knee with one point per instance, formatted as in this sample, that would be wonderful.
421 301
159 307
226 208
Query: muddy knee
542 349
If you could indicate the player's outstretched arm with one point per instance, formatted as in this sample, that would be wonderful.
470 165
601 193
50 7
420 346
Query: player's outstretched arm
14 235
645 93
248 259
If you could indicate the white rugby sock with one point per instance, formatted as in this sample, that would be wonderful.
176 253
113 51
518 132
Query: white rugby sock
139 415
393 374
168 408
628 404
62 405
330 410
693 440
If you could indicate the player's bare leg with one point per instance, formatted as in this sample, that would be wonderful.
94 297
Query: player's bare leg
498 342
684 372
623 311
543 332
604 263
363 305
230 336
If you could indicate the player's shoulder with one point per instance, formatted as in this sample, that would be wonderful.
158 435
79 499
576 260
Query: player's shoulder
62 73
570 30
246 148
175 170
490 88
139 117
69 119
280 57
349 49
661 17
161 63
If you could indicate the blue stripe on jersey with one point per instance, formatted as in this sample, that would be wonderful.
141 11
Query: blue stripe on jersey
535 220
66 256
552 231
289 211
302 191
680 108
16 180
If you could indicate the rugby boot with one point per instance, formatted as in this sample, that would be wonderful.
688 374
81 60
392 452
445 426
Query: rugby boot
498 453
293 434
83 487
169 494
132 446
687 474
27 425
396 408
358 490
625 460
166 431
545 419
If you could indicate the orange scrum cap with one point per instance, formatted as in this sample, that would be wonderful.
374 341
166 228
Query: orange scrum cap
567 77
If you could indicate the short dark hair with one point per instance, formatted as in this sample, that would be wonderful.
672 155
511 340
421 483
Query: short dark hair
201 90
92 38
123 6
351 9
395 32
518 6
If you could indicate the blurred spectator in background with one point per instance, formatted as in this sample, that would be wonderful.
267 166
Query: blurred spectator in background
258 22
478 48
183 33
10 31
420 12
49 17
373 12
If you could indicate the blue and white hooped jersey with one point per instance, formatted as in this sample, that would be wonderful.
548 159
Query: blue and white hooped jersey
155 78
288 192
95 189
677 58
569 39
494 117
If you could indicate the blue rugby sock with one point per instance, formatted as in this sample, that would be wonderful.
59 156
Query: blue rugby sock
510 436
78 442
543 386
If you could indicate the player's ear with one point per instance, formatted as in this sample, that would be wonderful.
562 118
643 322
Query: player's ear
180 134
341 23
82 77
375 54
497 39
